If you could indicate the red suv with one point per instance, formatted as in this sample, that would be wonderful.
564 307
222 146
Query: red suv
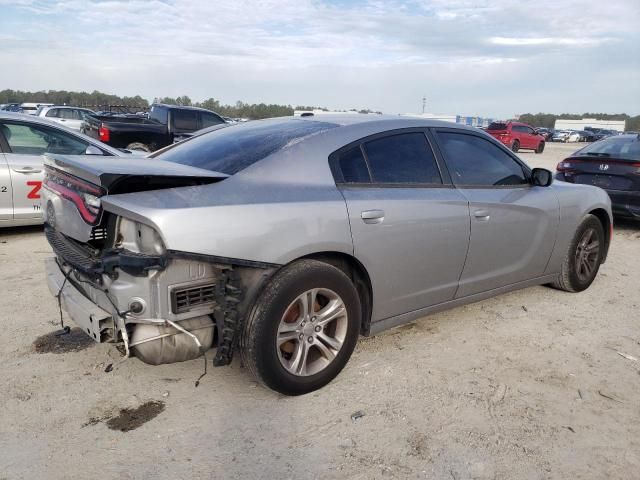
516 136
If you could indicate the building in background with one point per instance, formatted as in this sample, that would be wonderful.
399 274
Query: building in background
463 119
617 125
317 112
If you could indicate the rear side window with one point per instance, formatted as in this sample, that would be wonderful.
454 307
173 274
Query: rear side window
403 158
53 113
185 120
475 161
497 126
353 166
234 148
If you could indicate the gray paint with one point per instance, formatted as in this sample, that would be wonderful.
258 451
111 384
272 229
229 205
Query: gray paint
288 206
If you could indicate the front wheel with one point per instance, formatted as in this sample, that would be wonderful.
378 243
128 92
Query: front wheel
303 328
540 148
515 146
584 257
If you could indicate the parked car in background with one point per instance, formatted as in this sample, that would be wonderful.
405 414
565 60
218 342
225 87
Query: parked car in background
546 133
290 237
31 108
573 136
23 142
516 136
560 136
163 124
586 136
612 164
70 117
10 107
603 133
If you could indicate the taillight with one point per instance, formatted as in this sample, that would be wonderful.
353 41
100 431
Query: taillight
103 133
84 195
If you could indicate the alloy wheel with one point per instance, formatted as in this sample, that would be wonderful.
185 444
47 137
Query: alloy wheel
587 255
312 332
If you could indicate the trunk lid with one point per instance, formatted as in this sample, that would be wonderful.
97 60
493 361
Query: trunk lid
602 171
74 187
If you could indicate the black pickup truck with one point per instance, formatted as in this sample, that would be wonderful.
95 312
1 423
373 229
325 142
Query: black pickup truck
137 132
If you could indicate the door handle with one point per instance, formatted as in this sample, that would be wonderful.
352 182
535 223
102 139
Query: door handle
372 216
27 170
482 214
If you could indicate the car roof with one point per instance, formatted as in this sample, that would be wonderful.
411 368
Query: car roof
391 121
182 107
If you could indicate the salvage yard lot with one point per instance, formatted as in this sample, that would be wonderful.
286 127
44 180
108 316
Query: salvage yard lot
533 384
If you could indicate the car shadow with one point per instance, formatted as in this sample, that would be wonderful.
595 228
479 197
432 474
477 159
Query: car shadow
626 224
16 231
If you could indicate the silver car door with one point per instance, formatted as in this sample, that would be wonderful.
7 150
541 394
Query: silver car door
27 142
410 228
6 192
513 223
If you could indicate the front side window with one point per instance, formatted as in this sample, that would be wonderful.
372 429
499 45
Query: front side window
474 161
403 158
37 140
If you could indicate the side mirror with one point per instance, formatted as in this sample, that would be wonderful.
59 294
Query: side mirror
91 150
541 177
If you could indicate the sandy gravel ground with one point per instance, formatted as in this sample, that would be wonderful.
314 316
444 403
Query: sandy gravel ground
529 385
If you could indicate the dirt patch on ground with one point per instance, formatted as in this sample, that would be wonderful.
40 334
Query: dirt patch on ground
130 418
55 342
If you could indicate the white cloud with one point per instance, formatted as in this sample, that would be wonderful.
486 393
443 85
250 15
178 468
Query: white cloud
365 53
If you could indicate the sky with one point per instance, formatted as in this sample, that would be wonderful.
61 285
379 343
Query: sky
468 57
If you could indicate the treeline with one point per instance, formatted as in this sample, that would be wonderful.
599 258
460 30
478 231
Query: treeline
548 119
245 110
78 99
99 101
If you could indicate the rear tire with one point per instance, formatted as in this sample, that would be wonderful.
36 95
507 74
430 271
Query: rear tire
583 259
139 146
515 146
540 148
288 343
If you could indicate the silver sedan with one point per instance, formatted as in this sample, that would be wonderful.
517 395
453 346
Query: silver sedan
24 139
286 239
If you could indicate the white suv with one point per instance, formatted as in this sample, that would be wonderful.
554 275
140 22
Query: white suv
70 117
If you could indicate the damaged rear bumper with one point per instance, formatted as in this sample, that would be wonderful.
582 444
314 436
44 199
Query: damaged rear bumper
98 289
93 320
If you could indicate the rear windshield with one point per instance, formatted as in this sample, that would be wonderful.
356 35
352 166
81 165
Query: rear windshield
624 147
234 148
497 126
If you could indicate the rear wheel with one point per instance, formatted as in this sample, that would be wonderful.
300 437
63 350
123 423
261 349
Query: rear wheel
303 328
515 146
141 147
584 257
540 148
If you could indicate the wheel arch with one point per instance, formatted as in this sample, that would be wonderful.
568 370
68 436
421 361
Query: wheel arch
602 215
358 274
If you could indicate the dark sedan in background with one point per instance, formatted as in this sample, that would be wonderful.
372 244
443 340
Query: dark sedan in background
612 164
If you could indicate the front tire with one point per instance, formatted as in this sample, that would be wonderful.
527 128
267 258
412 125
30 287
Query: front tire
583 259
515 146
303 328
540 148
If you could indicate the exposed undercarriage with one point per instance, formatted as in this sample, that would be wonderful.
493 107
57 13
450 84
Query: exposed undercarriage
162 308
